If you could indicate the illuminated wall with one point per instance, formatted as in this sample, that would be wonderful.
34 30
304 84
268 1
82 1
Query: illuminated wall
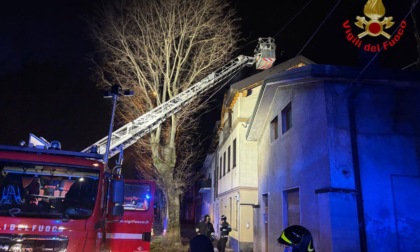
343 141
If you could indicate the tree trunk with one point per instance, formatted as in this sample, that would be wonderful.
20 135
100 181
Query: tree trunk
164 159
174 227
159 49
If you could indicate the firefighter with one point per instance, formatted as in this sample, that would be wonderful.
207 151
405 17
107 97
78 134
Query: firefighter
298 238
224 234
205 227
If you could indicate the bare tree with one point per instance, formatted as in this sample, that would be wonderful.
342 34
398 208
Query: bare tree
160 48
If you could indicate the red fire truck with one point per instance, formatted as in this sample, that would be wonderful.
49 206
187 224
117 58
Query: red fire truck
54 200
65 201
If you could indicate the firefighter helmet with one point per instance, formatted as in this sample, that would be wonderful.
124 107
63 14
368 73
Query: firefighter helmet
297 237
223 217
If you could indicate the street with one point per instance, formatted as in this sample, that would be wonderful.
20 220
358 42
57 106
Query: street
187 233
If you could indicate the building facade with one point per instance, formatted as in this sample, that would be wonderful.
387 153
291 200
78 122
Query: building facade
235 172
339 154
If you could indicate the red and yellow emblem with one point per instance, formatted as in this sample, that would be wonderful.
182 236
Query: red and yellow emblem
374 24
374 10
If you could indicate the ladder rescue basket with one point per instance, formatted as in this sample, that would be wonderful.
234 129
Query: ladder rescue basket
265 53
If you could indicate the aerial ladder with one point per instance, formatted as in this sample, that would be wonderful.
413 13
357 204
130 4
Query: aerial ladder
75 203
127 135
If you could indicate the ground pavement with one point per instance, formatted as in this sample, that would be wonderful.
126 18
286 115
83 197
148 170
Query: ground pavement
187 233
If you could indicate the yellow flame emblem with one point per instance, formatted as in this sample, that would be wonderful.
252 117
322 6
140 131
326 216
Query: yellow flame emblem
374 10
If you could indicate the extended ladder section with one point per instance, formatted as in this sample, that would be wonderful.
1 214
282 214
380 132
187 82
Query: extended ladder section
146 123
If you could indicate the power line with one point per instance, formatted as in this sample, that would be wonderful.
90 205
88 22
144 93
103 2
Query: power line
281 29
293 18
319 27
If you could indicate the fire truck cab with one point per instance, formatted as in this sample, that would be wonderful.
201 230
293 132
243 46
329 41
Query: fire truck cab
54 200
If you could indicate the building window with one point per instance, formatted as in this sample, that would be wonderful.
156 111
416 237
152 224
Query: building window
274 129
230 210
228 159
286 118
224 163
222 208
234 154
230 118
234 213
215 181
291 207
236 219
265 218
220 168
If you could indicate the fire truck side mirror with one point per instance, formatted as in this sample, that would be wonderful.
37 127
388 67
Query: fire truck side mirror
118 192
117 196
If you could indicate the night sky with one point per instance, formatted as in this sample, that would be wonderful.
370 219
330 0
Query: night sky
46 87
44 75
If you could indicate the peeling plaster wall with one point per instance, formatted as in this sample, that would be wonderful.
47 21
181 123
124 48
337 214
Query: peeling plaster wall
388 130
297 159
316 156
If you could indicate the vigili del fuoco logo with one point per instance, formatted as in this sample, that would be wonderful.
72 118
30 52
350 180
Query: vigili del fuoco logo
374 24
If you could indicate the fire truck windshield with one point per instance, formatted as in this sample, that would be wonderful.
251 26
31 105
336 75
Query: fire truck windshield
32 190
